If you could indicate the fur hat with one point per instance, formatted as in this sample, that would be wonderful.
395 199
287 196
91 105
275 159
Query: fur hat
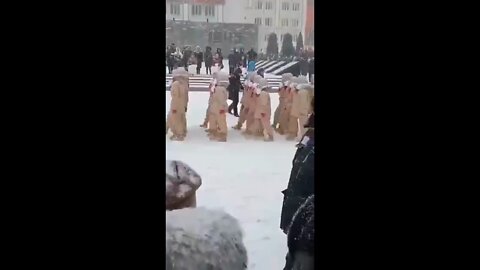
302 80
181 183
305 86
262 84
257 78
222 79
285 78
292 83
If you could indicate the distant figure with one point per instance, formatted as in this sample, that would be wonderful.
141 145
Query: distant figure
208 60
199 56
252 55
231 62
251 66
219 58
243 57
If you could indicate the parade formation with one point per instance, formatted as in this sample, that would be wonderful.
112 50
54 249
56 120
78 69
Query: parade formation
295 97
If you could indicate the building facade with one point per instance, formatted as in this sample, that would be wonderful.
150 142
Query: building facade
270 16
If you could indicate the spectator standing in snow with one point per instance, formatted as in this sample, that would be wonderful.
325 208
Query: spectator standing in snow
208 60
300 239
301 182
199 56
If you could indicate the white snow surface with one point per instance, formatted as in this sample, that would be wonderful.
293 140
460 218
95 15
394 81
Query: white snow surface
241 176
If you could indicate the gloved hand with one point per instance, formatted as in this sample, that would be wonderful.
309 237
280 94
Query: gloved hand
174 111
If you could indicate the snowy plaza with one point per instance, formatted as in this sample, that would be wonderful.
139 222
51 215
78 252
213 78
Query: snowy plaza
242 176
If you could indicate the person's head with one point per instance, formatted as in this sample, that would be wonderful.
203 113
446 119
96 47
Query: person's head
261 72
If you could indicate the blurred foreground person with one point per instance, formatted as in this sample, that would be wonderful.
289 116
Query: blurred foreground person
219 109
282 90
301 238
301 182
263 110
203 239
181 185
177 106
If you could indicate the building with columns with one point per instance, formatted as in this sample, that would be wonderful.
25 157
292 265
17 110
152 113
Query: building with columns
270 16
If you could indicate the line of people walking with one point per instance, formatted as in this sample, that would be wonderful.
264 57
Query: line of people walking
295 96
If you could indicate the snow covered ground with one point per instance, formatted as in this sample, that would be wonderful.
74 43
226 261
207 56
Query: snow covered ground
243 177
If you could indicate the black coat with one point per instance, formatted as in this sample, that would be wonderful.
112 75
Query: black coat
199 56
301 182
311 67
208 59
234 86
302 230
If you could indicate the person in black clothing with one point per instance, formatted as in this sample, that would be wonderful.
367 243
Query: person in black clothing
243 57
220 58
170 58
237 57
304 66
300 239
233 90
261 72
199 56
301 182
208 59
231 62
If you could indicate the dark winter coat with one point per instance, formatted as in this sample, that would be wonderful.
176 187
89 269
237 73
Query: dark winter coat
199 56
231 60
304 66
302 229
301 183
208 59
234 85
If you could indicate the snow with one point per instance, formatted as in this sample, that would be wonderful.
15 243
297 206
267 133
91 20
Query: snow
244 177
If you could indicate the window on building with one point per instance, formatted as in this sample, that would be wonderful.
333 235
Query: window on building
268 21
210 11
295 22
268 5
196 10
259 5
285 6
296 6
175 9
284 22
258 21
